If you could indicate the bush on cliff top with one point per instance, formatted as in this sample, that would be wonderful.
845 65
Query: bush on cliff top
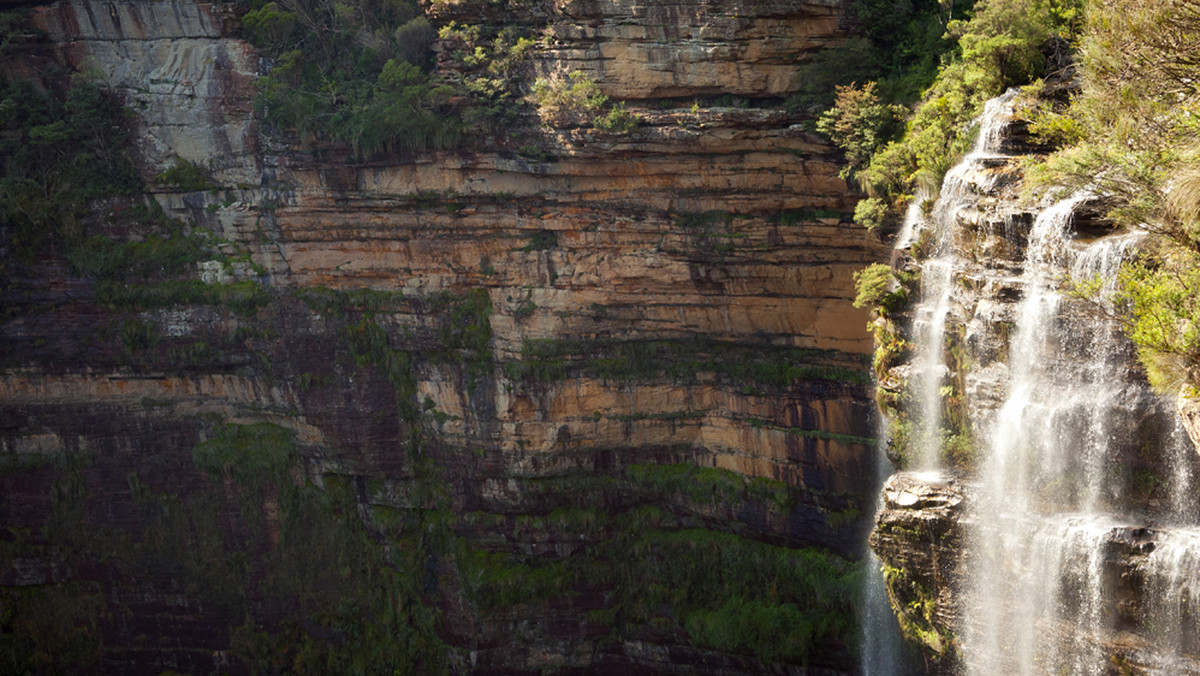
352 72
1136 119
995 44
60 149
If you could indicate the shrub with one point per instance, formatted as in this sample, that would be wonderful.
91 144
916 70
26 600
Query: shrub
1137 135
269 26
59 150
878 287
871 213
859 123
574 99
187 176
999 47
354 75
617 120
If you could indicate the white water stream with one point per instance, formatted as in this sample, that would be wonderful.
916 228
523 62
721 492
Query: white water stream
1053 475
937 276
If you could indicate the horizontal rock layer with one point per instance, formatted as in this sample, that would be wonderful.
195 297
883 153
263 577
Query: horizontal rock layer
514 380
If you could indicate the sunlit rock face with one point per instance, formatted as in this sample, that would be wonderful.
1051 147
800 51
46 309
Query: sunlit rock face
479 393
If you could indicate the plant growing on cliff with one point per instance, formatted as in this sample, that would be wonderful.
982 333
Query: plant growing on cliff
617 120
997 47
354 73
1136 120
880 287
859 123
60 148
872 213
185 175
900 45
577 99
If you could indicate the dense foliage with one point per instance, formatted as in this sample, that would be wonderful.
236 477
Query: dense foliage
993 44
353 72
898 44
1137 133
60 149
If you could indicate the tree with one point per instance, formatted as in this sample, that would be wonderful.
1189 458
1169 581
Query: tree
859 123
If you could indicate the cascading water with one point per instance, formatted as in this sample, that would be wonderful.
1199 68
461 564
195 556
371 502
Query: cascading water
883 651
1076 461
937 275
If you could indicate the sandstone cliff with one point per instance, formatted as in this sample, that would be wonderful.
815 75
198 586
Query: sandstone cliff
464 411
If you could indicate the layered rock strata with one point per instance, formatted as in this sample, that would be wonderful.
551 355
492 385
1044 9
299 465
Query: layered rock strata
466 411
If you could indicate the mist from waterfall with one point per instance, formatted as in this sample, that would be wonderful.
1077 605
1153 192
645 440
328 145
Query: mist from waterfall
883 652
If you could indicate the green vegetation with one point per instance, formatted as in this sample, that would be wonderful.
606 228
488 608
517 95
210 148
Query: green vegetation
335 302
577 100
491 61
137 335
770 631
705 485
252 455
359 73
917 618
186 176
1135 141
353 608
814 434
1161 310
880 288
682 359
617 120
465 332
155 255
242 298
51 630
899 45
993 44
713 590
60 149
860 124
541 241
353 72
872 213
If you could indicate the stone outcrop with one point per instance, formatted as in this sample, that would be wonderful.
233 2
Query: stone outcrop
1189 411
175 63
919 536
469 396
677 49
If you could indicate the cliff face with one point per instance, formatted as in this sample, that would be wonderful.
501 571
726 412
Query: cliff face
465 411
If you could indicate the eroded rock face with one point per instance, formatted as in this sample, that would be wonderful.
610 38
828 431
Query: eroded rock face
1189 412
922 536
512 380
192 85
679 49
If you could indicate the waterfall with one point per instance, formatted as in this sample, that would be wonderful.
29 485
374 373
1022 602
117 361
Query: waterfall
959 191
1043 512
883 652
1070 516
